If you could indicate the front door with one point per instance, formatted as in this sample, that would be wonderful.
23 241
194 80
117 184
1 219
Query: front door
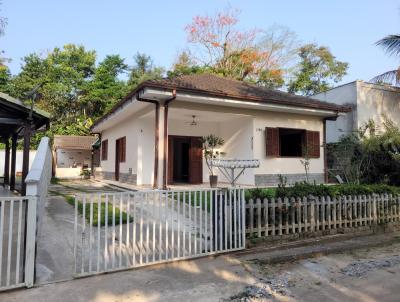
185 159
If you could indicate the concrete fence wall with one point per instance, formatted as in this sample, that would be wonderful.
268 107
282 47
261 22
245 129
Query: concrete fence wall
32 155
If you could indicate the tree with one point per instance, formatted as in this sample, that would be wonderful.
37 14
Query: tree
105 88
143 70
317 71
185 65
391 45
250 55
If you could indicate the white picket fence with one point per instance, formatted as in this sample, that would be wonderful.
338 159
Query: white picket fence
17 218
284 216
155 227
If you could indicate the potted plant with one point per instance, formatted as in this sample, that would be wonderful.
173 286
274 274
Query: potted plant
210 144
85 173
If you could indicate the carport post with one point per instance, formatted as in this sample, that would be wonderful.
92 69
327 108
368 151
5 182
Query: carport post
14 139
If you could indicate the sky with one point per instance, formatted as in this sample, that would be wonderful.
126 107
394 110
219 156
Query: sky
349 28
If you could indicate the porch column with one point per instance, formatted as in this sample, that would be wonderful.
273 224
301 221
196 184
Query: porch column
7 161
25 161
161 153
14 139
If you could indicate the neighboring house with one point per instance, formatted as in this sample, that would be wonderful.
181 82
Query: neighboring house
153 136
72 154
368 101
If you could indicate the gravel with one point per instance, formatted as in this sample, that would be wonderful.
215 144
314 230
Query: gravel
265 289
362 267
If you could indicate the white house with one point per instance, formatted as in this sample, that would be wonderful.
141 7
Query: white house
153 136
367 100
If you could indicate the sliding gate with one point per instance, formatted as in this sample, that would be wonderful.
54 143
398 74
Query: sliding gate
115 231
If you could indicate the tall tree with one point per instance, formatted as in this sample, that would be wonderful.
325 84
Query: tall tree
105 88
143 69
391 45
250 55
318 70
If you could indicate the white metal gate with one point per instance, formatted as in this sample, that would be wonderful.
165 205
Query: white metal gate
17 241
115 231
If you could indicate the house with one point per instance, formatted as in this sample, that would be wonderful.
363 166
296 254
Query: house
368 101
72 154
153 136
18 122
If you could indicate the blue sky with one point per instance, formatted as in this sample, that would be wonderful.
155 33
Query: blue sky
348 28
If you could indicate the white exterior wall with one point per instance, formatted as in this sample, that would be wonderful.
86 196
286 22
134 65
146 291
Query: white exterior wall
369 101
145 151
342 95
276 165
375 102
18 164
70 162
129 129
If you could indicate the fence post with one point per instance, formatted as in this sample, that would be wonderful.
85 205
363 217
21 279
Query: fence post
374 209
30 242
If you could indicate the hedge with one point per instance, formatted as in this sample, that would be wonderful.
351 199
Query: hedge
306 189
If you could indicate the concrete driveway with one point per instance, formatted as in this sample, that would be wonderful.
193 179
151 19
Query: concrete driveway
206 279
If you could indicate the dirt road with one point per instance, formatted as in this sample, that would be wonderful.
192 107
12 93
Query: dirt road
362 275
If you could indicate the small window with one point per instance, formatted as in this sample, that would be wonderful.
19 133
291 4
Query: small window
291 142
104 150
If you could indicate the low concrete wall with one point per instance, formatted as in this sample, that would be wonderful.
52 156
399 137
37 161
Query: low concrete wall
123 177
270 180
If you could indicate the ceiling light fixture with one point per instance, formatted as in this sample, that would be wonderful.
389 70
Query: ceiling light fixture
193 123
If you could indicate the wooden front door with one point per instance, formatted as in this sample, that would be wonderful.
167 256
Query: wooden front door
185 160
196 161
117 158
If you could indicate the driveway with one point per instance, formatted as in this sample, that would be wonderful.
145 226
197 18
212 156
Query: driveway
55 259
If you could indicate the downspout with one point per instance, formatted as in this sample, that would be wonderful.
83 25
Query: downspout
165 163
156 136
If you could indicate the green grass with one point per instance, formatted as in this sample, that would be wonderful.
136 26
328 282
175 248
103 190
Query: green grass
118 213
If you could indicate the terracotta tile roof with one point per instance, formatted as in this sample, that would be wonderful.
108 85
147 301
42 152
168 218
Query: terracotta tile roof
218 86
213 85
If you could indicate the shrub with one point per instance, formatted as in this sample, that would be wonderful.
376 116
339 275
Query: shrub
305 189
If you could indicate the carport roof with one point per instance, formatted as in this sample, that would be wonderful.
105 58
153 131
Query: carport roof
74 142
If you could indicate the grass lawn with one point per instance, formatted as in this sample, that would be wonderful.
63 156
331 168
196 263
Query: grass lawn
118 213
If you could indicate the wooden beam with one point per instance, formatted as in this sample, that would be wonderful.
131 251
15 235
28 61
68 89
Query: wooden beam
7 160
11 121
14 139
25 160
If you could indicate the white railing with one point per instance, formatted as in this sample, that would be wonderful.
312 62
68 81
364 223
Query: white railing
39 176
15 251
286 216
116 231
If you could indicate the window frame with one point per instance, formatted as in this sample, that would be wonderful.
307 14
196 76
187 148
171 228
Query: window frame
104 150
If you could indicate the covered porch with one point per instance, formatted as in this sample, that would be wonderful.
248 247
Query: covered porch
18 123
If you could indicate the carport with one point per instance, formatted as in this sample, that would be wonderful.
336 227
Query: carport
18 121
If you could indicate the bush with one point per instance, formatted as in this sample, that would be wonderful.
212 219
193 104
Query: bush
306 189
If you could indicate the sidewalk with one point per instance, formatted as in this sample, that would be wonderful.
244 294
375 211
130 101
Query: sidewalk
206 279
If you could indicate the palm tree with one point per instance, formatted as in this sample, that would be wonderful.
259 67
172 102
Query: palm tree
391 45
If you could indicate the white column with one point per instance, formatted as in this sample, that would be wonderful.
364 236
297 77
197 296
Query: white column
161 148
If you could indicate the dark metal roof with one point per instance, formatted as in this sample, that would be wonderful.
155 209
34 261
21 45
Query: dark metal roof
13 113
213 85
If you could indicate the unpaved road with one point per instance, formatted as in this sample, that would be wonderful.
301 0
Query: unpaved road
363 275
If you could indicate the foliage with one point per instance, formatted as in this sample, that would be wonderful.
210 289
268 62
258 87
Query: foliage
370 155
304 189
143 70
246 55
306 160
211 142
318 70
391 45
